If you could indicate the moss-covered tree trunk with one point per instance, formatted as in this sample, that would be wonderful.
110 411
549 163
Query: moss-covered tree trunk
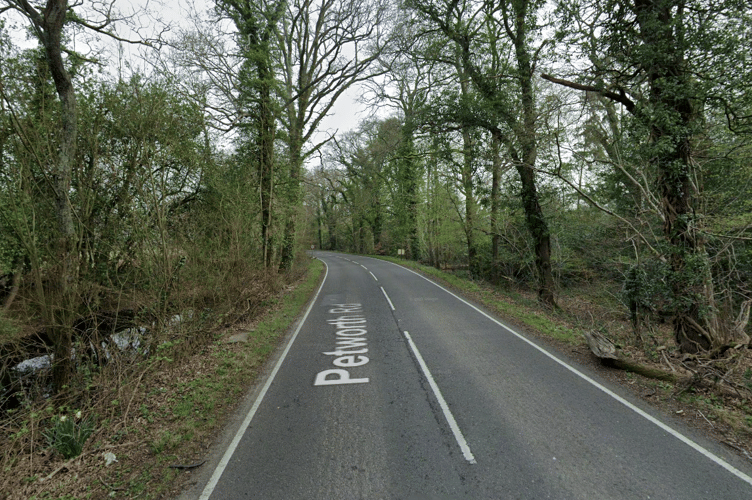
468 189
266 132
526 132
495 205
406 203
257 25
295 147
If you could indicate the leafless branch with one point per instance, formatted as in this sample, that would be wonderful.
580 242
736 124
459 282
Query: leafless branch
605 210
619 97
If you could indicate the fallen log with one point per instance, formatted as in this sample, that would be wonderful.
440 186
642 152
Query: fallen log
608 353
601 346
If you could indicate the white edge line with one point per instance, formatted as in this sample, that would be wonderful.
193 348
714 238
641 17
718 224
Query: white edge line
219 470
387 298
442 402
681 437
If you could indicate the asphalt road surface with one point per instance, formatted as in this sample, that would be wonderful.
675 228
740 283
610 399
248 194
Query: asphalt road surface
392 387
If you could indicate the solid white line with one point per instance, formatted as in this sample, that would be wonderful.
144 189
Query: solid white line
209 488
374 276
387 298
681 437
442 402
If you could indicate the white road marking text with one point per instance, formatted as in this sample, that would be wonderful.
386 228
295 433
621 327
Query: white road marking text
350 346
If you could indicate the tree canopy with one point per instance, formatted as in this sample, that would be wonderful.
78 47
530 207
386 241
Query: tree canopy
536 143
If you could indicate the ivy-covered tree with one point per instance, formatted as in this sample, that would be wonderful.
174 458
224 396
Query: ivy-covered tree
670 63
258 25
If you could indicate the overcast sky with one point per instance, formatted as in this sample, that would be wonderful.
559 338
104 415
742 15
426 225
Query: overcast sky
150 16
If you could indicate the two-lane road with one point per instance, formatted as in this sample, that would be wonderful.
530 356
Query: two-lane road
392 387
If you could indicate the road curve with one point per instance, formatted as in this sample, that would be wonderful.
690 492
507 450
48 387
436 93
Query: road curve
393 387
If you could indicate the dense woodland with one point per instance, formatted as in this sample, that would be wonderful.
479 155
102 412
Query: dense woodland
553 145
524 143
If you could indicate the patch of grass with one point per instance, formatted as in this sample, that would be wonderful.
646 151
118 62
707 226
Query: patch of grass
63 497
167 441
146 413
138 485
710 404
184 408
513 305
8 328
748 378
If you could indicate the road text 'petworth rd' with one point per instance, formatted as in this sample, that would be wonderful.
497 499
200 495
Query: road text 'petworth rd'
350 346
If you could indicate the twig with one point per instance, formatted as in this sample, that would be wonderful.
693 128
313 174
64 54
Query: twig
739 449
191 466
110 487
665 358
133 395
66 465
121 445
708 421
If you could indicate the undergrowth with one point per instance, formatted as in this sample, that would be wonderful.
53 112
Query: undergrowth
141 413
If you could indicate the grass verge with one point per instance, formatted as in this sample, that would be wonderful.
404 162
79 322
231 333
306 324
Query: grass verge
513 306
167 414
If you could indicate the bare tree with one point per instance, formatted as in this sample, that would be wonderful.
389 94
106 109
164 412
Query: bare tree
327 46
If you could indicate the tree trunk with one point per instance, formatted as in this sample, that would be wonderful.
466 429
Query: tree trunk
319 230
266 133
470 208
296 111
256 23
432 212
408 175
673 122
538 228
495 189
61 304
377 220
331 223
288 243
15 283
527 137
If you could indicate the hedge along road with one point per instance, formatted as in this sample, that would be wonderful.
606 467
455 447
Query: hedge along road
393 387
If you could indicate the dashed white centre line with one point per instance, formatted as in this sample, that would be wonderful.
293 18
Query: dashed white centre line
374 276
442 402
364 267
387 298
